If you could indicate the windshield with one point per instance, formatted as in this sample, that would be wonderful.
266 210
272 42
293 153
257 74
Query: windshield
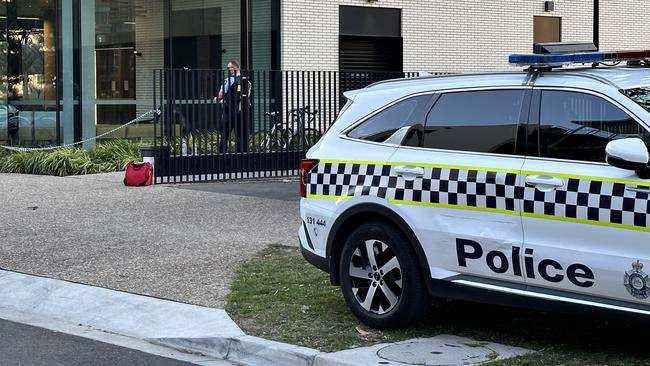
641 95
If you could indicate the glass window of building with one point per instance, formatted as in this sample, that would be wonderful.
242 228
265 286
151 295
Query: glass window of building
28 68
74 69
115 59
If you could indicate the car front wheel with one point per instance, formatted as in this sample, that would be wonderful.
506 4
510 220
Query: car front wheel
381 278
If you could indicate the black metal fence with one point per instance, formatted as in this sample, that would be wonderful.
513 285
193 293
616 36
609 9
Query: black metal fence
261 131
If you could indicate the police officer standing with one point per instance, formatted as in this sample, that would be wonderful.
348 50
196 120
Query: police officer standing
230 95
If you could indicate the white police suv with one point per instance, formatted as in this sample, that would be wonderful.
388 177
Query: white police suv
503 188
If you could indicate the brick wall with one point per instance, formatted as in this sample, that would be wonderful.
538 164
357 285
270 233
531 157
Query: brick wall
439 36
624 24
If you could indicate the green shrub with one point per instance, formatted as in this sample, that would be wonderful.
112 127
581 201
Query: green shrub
68 162
4 152
115 155
200 142
33 162
108 157
14 163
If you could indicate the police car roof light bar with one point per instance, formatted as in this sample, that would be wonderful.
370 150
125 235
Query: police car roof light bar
564 47
560 59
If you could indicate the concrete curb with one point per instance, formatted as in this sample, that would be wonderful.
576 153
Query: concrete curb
247 350
189 328
184 327
119 312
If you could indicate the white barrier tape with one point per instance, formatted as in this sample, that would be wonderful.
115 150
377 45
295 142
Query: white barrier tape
27 149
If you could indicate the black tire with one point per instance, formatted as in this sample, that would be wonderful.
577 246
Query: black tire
260 141
403 279
311 137
305 139
280 139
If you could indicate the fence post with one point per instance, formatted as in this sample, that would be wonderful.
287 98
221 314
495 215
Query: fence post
157 156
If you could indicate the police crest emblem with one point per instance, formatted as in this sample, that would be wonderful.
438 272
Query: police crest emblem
636 281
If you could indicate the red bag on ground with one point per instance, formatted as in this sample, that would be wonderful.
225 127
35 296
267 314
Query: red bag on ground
138 174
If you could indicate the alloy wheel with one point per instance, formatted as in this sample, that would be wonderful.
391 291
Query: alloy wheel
376 277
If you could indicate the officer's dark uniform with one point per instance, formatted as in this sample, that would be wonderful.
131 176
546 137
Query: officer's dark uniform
232 115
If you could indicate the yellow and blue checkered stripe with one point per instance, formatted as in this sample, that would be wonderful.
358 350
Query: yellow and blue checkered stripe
586 200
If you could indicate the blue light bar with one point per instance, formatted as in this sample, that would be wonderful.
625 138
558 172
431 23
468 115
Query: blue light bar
589 57
556 59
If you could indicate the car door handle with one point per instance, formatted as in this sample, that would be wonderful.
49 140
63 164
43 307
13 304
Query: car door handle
408 170
544 183
637 190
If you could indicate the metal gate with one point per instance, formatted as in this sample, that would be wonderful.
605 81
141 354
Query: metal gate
280 116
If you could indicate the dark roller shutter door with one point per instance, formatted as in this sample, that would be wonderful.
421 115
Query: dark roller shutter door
370 46
367 60
357 53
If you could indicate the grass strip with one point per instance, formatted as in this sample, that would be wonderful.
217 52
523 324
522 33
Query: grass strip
277 295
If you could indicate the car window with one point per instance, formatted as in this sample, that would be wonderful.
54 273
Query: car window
578 126
382 125
641 95
478 121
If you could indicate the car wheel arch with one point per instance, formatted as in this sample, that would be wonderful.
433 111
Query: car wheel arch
362 213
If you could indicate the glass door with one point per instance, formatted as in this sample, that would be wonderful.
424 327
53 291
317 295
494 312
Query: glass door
28 69
115 59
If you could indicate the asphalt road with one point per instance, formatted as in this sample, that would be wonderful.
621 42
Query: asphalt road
31 346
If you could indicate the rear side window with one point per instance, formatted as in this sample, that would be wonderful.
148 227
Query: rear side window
408 112
578 126
477 121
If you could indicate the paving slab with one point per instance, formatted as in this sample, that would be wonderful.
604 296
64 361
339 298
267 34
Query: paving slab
441 350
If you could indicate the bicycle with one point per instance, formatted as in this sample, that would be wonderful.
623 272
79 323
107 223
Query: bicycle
293 134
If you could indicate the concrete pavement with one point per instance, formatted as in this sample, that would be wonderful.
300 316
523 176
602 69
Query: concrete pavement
164 241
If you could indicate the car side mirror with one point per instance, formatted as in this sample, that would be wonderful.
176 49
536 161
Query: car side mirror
628 154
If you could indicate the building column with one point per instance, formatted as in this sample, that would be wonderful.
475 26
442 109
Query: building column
67 71
87 61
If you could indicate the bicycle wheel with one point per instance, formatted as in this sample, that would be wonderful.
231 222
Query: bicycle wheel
307 138
260 141
311 137
280 139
